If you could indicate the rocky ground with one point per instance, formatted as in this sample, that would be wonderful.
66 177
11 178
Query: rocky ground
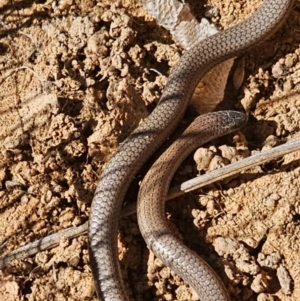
76 78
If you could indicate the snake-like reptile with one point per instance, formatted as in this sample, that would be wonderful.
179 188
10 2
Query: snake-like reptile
153 224
144 141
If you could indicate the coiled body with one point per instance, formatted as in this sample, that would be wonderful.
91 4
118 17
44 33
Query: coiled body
137 148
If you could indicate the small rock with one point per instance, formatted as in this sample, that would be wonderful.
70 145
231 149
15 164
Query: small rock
291 60
203 157
285 280
270 260
260 283
277 70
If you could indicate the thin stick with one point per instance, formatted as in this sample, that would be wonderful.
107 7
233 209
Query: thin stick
234 168
42 244
225 172
188 186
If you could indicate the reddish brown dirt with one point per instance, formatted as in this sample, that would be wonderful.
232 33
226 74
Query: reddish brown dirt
75 80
